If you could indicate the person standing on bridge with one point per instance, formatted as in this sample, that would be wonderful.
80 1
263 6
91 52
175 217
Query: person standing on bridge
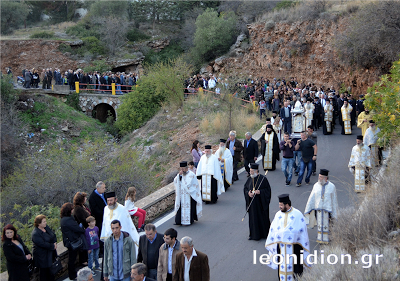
257 193
188 204
322 206
360 164
287 237
209 174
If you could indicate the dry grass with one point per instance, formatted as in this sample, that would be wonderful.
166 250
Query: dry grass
363 229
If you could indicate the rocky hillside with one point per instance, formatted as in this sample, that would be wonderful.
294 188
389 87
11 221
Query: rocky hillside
38 54
303 50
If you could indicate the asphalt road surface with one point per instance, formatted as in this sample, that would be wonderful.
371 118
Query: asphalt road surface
221 234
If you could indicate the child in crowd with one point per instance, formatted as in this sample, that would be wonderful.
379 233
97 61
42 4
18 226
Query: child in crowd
192 167
92 237
134 211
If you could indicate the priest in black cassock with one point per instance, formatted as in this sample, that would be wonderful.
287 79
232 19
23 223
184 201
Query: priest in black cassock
269 148
257 187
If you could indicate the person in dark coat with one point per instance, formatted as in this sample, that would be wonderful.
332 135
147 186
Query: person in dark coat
250 152
16 253
44 247
257 187
81 212
236 148
71 232
149 246
97 203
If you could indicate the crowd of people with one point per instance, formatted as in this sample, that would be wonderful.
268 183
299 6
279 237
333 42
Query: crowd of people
105 228
95 80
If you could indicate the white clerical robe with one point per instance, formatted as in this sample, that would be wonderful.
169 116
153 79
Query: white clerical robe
370 139
309 107
226 165
269 150
328 117
186 189
119 213
277 127
323 202
360 159
209 167
346 118
287 229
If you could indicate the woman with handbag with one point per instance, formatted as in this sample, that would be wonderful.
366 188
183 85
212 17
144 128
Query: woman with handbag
16 253
72 237
44 245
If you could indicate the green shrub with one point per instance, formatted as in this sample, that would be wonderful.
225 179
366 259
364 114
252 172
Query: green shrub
73 101
170 52
13 14
97 65
82 29
93 45
372 37
42 35
64 48
136 35
8 94
214 35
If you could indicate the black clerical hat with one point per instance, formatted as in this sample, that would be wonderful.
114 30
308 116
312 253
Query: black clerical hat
207 146
345 99
324 172
269 126
371 121
268 119
360 137
284 198
222 140
110 194
274 111
183 164
254 166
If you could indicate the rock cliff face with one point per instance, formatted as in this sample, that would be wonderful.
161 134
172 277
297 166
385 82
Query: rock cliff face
303 50
38 54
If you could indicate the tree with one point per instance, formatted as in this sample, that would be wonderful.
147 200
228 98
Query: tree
372 39
214 35
13 15
383 100
104 9
113 32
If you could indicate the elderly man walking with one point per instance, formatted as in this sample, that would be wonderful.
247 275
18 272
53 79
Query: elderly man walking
191 264
235 146
360 164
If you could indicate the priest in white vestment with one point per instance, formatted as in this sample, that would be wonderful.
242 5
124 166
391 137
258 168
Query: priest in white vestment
360 163
116 211
346 117
328 118
322 206
209 175
277 125
288 236
226 162
370 140
188 204
309 107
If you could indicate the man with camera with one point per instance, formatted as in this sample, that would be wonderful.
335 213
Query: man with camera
287 147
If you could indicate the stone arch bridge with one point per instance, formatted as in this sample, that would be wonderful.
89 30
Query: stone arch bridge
99 106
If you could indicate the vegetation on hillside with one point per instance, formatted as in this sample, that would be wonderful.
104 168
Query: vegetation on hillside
161 84
383 99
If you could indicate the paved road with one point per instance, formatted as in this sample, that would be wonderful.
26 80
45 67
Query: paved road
222 235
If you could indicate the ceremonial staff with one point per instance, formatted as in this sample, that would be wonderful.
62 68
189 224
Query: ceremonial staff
254 196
